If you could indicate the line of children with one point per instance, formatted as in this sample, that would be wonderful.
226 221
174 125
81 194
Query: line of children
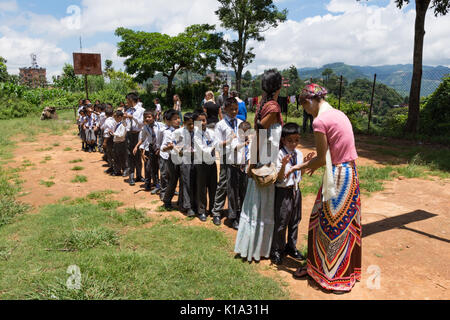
186 157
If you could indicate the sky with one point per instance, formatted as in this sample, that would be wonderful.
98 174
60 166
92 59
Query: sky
316 32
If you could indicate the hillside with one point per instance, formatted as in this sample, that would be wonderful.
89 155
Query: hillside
396 76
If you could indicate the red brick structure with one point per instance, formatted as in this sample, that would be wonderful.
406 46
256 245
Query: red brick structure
33 77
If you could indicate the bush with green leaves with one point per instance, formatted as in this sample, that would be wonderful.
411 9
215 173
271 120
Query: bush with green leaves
14 107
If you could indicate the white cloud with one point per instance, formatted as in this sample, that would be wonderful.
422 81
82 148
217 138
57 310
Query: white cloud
361 35
8 6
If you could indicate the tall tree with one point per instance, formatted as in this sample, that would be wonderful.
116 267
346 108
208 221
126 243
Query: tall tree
441 7
3 70
249 19
196 49
108 67
327 74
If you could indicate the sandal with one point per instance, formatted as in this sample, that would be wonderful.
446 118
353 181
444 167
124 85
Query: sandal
300 273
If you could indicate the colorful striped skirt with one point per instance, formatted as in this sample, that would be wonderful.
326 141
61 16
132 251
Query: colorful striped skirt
334 235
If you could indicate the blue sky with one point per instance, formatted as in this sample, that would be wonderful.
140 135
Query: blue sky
317 32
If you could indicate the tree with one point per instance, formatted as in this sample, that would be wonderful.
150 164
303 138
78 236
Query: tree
247 76
68 80
3 70
108 67
441 7
249 19
326 75
196 49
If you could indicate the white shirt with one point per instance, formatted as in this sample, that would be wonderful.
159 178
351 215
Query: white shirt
184 142
204 146
158 108
110 125
120 132
144 136
292 180
137 122
224 132
241 152
90 121
101 120
167 138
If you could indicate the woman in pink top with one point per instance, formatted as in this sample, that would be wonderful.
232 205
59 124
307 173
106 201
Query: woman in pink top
334 234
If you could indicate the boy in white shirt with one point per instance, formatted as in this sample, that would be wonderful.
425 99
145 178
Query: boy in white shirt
205 165
108 143
120 144
288 197
158 109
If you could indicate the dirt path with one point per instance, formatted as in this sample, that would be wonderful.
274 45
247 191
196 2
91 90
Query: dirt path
406 227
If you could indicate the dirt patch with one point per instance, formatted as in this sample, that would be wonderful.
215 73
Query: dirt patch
406 227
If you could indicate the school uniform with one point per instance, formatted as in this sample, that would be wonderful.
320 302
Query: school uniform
120 147
185 144
237 177
151 141
170 172
108 127
288 204
101 123
90 124
134 127
224 130
205 168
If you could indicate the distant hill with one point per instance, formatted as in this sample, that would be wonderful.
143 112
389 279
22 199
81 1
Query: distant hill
396 76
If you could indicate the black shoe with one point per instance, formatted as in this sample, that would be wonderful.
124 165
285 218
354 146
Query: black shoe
132 182
202 217
276 258
294 253
140 179
155 191
110 170
168 207
190 213
147 188
236 224
216 221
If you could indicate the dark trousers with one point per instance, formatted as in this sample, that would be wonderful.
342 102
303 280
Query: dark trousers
221 192
206 184
164 178
173 175
307 117
109 152
187 187
134 161
151 168
100 138
288 213
237 186
120 156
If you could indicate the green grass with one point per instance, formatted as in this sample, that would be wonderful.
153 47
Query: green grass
88 239
48 184
56 144
132 217
44 149
76 161
48 158
100 195
68 149
79 179
77 168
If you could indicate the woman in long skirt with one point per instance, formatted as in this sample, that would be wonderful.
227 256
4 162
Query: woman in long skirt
334 235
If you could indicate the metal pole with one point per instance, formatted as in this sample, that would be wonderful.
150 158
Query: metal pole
86 86
340 93
371 102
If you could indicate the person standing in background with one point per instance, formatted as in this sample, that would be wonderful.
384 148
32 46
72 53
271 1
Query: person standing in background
177 106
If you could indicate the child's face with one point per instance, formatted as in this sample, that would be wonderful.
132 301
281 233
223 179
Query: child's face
189 125
118 119
232 110
175 121
149 119
202 119
291 141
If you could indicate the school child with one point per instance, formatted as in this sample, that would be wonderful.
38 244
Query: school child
184 148
169 171
226 130
89 127
149 143
205 167
237 175
120 144
158 109
108 143
101 122
288 197
80 121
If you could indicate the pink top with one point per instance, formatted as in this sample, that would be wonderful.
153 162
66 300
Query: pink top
339 132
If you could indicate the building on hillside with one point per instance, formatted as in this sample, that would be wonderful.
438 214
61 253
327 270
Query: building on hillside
33 76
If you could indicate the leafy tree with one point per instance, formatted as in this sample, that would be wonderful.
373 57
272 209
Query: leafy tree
326 75
293 73
247 76
249 19
3 70
68 80
196 49
441 7
108 65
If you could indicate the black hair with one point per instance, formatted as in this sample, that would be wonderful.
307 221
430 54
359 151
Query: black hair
169 114
225 86
133 96
157 100
102 107
290 128
198 113
119 113
188 116
152 113
109 111
270 83
230 101
245 125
